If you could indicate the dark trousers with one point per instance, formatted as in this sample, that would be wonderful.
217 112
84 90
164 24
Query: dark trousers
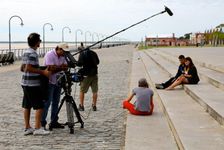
169 82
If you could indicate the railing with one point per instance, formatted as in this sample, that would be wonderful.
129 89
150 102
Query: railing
18 53
7 57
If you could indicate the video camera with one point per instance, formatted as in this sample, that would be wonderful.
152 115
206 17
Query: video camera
73 74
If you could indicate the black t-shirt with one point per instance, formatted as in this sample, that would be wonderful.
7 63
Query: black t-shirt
89 60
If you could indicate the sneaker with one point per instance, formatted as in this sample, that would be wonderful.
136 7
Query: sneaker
28 131
56 125
81 108
94 108
41 131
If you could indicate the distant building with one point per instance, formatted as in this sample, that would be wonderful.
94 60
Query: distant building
197 39
166 41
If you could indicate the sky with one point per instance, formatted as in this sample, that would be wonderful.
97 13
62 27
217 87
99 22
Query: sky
105 17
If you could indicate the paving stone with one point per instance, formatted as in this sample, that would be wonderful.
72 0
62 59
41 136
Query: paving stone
101 128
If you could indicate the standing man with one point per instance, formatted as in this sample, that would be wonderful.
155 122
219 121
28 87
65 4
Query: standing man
55 61
32 97
89 60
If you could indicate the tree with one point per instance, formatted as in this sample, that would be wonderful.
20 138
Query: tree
187 35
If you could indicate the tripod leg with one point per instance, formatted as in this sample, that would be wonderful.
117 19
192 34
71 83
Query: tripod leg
70 116
77 112
62 101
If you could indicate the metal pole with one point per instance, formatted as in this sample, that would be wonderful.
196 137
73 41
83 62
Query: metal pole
76 36
63 32
10 29
85 36
96 35
93 36
44 34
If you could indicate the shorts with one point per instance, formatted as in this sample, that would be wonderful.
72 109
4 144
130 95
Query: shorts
32 97
89 81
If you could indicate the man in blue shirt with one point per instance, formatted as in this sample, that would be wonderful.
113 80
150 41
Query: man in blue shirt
172 79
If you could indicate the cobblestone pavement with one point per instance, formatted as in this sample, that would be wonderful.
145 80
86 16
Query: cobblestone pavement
103 129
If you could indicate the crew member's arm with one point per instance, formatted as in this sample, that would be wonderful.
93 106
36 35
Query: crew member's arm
55 69
97 59
80 60
30 68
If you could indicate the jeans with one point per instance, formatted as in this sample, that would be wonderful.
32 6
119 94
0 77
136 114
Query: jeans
54 93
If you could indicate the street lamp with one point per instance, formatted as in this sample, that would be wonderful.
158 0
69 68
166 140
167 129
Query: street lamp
63 32
15 16
44 34
102 36
76 36
96 35
86 34
93 36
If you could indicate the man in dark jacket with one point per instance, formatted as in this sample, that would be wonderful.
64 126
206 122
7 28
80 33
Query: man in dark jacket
89 60
172 79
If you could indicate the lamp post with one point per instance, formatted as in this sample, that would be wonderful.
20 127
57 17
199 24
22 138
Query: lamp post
44 34
15 16
63 32
86 34
76 36
96 35
102 36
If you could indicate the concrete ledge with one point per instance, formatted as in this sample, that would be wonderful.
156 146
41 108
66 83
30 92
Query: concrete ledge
201 56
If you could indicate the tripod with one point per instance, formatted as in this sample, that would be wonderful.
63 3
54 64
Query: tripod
66 84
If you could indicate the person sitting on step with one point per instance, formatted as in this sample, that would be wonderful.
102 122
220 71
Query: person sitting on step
189 76
172 79
144 99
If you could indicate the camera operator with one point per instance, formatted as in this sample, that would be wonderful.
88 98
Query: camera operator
55 62
31 85
89 60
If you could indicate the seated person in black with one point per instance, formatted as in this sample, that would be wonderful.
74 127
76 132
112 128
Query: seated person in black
190 75
172 79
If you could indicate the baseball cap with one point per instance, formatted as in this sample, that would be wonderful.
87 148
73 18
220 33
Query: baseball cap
63 46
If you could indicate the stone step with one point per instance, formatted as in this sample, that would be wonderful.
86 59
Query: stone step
147 132
210 57
208 96
192 127
215 78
